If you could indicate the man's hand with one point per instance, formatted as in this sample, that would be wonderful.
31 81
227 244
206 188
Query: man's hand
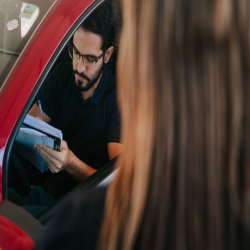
39 118
35 111
56 160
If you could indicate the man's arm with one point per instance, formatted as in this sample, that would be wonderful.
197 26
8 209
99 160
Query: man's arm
80 169
57 161
114 149
35 111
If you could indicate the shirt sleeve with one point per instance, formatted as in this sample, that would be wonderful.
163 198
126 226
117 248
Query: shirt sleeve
114 123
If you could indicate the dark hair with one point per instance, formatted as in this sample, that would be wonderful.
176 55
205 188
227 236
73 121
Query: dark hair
101 22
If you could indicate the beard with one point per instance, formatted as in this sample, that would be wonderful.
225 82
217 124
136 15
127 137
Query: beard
90 82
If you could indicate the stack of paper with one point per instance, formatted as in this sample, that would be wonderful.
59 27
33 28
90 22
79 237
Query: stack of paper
36 131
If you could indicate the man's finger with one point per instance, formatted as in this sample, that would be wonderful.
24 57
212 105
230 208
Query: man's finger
47 156
52 162
45 150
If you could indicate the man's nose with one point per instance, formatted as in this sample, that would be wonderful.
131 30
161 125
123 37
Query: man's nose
81 65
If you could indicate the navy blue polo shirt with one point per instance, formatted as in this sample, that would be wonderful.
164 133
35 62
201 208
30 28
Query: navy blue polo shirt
87 126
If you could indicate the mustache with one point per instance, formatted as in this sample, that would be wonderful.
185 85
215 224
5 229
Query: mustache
81 74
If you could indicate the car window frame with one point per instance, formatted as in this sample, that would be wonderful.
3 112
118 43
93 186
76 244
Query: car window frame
36 89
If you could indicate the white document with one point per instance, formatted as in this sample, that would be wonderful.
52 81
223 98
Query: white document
45 128
30 137
24 146
36 132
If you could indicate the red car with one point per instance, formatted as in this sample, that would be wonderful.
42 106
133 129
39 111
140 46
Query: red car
32 36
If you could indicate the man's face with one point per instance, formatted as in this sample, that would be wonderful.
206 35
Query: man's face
87 73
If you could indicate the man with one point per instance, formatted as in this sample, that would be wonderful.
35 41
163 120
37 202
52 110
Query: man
82 103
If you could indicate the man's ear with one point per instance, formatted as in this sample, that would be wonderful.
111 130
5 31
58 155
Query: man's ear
108 54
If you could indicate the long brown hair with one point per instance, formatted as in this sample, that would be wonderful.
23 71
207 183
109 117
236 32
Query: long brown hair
184 92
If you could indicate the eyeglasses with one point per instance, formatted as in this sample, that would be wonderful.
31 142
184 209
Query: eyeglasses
87 59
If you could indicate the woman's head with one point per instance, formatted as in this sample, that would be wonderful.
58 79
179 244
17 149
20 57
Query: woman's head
183 81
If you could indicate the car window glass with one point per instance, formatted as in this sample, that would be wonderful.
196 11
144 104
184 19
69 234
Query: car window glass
18 21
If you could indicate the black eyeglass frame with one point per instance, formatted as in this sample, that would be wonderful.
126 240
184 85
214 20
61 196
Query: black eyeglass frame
96 59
